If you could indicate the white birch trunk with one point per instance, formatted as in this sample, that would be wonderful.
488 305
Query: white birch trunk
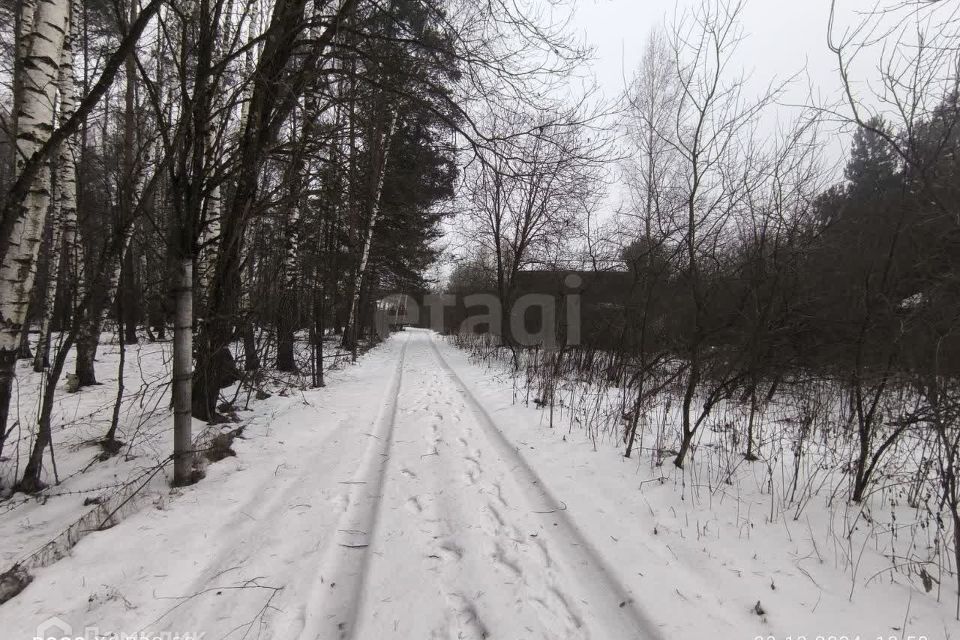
41 69
72 250
368 236
182 290
183 375
26 27
249 59
291 260
209 238
41 358
65 205
213 205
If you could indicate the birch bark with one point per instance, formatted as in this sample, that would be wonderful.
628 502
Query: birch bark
368 236
41 69
64 210
183 374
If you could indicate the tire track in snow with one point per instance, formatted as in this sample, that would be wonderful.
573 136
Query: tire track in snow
527 563
609 600
335 599
271 524
245 539
460 568
431 578
462 619
266 540
444 549
530 595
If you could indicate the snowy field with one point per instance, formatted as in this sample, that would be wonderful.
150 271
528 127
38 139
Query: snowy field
414 498
79 475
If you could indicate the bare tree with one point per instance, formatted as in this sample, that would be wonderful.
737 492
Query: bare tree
652 170
520 207
712 123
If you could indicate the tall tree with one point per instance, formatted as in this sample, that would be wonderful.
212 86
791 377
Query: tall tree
43 41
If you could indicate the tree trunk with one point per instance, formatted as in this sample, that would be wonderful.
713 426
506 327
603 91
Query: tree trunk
693 379
750 455
23 351
318 310
106 291
251 359
41 69
183 375
110 443
288 308
41 358
128 301
635 418
65 245
861 478
31 481
350 332
209 240
23 26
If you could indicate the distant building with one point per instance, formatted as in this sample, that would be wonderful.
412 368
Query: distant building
597 300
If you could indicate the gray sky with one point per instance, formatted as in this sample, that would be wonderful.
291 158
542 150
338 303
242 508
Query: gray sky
782 36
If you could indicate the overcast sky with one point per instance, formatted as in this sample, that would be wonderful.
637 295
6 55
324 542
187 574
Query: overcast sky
783 36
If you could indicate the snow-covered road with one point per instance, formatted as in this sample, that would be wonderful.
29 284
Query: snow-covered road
389 505
468 539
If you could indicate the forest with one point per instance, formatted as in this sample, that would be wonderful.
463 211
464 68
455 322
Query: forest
231 171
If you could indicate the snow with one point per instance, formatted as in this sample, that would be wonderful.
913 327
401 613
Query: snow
703 552
80 420
412 498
